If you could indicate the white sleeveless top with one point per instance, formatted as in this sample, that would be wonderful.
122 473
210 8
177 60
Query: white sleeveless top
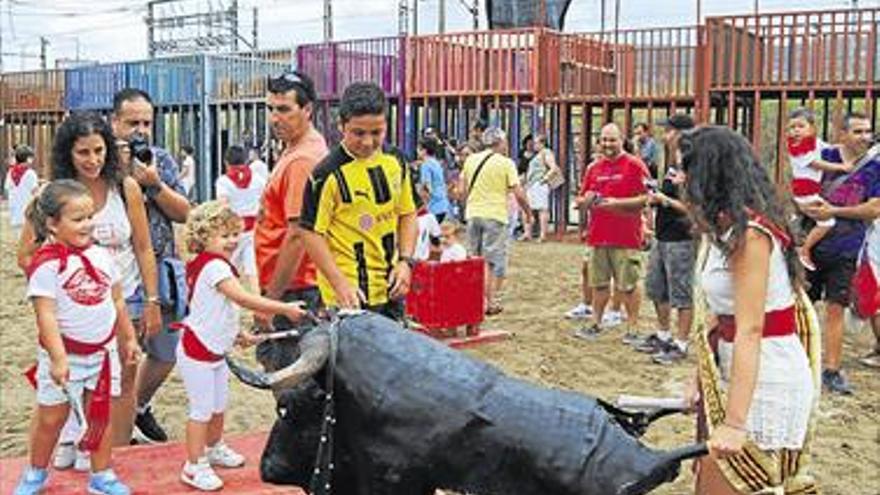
112 230
717 280
784 392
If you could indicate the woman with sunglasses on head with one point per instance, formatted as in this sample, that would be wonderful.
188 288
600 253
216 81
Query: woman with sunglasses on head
758 385
85 151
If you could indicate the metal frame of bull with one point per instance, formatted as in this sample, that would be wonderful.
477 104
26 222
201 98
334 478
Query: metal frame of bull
393 412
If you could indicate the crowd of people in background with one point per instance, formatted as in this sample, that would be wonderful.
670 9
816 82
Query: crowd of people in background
344 226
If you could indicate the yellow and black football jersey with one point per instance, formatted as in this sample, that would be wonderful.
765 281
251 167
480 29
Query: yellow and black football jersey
355 204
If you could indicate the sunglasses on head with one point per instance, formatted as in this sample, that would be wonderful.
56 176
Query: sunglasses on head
286 81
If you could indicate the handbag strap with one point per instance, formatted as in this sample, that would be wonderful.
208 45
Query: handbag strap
477 174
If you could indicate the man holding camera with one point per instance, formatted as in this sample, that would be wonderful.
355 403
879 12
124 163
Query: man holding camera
166 202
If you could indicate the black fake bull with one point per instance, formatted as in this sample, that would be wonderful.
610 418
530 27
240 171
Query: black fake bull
412 415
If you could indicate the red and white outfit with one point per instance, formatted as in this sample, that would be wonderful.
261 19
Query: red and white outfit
21 184
806 181
80 282
209 331
242 189
784 392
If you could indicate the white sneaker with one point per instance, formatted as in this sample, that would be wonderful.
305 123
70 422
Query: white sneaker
223 456
612 318
200 476
579 312
65 456
83 462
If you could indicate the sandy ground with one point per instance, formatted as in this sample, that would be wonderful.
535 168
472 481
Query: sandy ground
543 285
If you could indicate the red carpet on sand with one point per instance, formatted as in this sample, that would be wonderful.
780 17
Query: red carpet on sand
155 469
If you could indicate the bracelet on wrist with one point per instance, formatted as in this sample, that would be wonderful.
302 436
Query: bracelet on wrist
154 300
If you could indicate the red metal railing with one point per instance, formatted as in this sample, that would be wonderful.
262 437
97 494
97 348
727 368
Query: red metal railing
650 63
32 91
482 63
794 50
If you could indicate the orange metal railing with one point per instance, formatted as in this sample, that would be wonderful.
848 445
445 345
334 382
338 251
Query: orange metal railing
650 63
32 91
794 50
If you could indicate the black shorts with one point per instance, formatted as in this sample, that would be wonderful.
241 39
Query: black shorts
832 279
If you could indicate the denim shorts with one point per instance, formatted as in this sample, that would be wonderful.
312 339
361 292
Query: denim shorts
670 277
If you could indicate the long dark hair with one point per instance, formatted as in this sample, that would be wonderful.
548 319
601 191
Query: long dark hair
725 179
80 125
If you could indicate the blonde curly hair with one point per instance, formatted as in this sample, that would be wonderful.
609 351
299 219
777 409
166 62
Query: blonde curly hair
207 220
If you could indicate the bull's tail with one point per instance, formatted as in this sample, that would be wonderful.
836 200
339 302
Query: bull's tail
665 471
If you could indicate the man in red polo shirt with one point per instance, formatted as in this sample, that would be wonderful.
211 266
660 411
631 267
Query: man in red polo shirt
614 190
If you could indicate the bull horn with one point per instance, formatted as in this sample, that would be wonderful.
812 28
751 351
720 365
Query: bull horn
314 350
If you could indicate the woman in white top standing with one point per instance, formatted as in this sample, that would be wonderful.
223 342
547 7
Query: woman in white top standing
241 188
85 150
759 401
541 167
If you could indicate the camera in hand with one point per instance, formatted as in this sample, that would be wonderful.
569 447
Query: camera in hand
140 148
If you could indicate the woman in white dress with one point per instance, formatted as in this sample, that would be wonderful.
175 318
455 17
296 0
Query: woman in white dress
759 388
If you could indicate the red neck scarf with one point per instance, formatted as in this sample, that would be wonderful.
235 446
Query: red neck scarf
17 171
60 252
195 266
240 175
806 145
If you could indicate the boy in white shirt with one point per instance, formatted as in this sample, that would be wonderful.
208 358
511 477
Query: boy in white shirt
20 185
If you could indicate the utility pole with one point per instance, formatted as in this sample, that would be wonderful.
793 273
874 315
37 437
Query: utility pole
43 44
254 32
415 17
476 12
403 18
233 13
602 15
151 49
441 17
328 20
542 13
757 6
699 12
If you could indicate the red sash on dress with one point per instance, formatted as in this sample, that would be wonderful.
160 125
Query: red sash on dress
17 171
805 187
98 414
192 346
240 175
776 323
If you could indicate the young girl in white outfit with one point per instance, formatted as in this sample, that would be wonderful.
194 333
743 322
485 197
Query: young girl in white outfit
242 189
209 331
81 316
807 167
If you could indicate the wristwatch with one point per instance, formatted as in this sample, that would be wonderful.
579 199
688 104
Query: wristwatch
154 300
409 260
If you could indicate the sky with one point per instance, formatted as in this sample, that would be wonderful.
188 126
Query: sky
114 30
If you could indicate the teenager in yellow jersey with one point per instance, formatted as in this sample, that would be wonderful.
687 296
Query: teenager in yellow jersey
359 214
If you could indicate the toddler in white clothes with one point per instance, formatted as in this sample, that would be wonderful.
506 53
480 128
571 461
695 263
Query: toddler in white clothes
209 331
